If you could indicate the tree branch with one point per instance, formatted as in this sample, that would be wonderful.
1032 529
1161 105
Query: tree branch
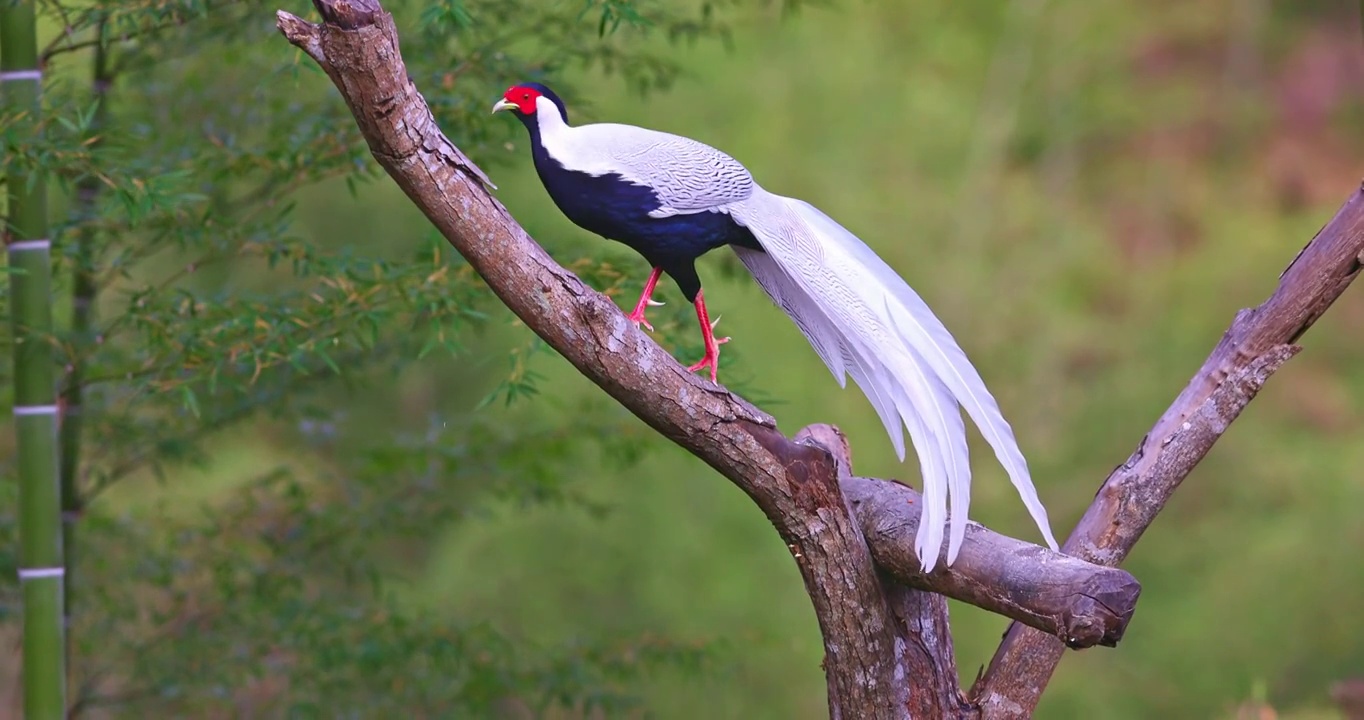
1064 597
1258 342
888 650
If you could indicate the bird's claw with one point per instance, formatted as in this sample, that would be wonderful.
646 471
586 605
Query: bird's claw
645 300
712 357
637 317
709 361
655 303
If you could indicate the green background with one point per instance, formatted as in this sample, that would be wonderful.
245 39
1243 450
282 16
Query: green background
1085 193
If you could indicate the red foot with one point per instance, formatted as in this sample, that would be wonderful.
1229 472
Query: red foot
712 356
645 300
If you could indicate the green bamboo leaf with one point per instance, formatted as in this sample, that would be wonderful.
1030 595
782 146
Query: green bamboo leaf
328 360
190 400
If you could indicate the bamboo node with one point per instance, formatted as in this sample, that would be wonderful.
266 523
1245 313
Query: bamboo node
15 75
41 573
25 245
27 410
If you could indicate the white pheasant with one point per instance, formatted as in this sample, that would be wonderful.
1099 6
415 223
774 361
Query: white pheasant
673 199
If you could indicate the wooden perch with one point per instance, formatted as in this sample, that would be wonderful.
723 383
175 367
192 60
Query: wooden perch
1062 596
887 643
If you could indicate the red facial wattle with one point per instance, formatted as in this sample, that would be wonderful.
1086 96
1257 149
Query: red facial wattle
523 98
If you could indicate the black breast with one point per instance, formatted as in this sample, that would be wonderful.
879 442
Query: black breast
617 209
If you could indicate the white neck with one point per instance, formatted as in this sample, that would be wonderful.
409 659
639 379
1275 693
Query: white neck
548 117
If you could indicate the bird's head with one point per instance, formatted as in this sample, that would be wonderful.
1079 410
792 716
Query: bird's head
527 100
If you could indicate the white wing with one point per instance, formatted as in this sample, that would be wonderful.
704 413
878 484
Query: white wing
687 175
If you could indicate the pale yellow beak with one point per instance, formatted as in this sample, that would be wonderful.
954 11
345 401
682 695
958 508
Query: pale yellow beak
503 105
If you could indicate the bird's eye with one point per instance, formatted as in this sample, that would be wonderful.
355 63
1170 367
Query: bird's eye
525 96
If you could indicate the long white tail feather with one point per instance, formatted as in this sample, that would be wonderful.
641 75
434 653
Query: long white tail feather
966 385
943 471
842 355
803 312
959 493
863 320
932 423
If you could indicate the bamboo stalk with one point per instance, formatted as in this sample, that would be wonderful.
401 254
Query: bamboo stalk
83 294
41 571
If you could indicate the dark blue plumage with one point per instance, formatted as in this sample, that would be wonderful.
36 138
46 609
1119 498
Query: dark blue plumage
617 209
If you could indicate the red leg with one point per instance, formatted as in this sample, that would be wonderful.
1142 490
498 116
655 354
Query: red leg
646 299
712 358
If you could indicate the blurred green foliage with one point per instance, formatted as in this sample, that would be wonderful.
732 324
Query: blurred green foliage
330 476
